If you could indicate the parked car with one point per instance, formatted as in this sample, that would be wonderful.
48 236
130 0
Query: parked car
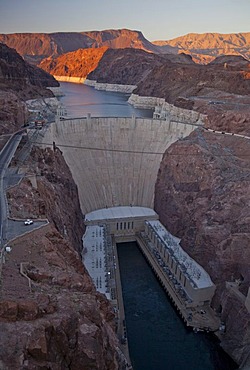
28 222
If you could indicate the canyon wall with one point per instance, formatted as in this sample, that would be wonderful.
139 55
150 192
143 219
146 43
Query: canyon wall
19 81
202 196
205 47
50 314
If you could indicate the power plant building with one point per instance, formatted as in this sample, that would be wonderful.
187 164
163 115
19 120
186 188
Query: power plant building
193 281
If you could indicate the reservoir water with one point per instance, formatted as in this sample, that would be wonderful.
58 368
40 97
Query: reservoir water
79 100
157 337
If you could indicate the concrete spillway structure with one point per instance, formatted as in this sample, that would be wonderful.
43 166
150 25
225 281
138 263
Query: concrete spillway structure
115 161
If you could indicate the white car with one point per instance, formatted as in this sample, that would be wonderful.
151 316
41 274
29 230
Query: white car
28 222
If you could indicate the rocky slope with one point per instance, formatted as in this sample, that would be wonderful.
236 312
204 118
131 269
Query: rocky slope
60 321
74 64
202 190
126 66
202 47
116 66
221 90
202 196
207 46
19 81
171 80
37 46
18 75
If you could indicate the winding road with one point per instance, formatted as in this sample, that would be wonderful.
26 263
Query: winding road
6 156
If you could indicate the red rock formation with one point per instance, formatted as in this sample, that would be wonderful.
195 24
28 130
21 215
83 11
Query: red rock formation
172 81
74 64
51 315
16 74
19 81
202 47
61 322
125 66
207 46
13 112
37 46
201 195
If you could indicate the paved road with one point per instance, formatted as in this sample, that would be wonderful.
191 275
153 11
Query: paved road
16 228
6 156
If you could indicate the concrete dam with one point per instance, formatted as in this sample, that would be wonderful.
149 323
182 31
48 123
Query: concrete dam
115 161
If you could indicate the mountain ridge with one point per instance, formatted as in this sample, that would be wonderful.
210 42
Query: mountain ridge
37 46
202 47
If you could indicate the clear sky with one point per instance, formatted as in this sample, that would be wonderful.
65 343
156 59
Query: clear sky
156 19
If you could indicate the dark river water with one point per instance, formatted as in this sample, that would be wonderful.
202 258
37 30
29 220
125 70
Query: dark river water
157 337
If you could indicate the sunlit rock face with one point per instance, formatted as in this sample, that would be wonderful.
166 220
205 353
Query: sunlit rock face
76 64
207 46
202 196
202 47
125 66
37 46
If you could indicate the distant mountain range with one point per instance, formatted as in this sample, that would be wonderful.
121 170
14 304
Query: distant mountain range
35 47
207 46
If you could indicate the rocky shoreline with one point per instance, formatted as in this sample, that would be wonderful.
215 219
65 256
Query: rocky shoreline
78 80
110 87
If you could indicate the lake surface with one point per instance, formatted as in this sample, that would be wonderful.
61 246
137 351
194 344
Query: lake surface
157 337
79 100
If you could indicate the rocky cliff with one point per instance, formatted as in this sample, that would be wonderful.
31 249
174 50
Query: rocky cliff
220 90
50 313
207 46
19 81
201 195
113 66
37 46
126 66
172 81
202 47
74 64
18 75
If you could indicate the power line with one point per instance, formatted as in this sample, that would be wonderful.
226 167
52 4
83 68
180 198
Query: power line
99 148
138 151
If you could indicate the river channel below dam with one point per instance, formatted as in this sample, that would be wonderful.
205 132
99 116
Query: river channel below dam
157 337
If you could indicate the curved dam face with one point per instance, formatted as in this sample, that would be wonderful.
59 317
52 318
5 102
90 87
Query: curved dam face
115 161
